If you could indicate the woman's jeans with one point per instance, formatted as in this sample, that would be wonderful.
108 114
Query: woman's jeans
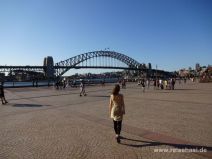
117 126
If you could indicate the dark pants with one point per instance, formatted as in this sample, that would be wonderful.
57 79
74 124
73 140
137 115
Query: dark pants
117 126
3 100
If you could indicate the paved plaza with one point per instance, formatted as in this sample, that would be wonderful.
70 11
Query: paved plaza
45 123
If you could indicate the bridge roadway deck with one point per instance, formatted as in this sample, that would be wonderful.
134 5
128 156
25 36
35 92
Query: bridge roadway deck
44 123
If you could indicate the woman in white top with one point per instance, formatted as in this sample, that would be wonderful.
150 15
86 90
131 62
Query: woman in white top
82 89
117 110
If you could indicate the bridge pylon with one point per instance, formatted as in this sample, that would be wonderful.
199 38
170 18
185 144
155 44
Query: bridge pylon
48 64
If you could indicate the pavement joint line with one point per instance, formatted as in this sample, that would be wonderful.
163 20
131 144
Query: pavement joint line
171 101
158 138
153 136
49 107
61 94
137 131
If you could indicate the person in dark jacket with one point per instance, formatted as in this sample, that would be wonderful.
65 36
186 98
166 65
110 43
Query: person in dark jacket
4 101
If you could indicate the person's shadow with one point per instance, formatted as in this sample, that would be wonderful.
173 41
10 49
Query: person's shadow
28 105
152 143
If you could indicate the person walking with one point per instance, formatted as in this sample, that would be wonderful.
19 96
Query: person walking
82 89
148 83
155 84
165 84
117 110
143 85
172 83
123 84
3 100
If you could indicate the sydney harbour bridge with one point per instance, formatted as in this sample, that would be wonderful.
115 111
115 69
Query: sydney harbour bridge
92 60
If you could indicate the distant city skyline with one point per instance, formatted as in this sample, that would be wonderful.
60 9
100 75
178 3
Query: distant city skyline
171 34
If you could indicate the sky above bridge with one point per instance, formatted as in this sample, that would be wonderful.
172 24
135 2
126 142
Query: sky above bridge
171 34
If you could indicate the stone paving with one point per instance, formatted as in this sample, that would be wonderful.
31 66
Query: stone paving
44 123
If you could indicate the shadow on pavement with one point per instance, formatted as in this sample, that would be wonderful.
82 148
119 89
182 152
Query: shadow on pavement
44 96
28 105
183 89
103 96
152 143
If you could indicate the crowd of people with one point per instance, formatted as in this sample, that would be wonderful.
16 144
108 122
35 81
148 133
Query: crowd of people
164 84
167 84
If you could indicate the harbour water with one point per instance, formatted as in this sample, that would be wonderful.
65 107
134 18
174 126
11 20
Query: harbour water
26 84
46 83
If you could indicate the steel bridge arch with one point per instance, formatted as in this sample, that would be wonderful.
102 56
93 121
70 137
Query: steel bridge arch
63 66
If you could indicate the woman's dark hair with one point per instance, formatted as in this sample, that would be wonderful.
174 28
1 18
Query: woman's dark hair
116 89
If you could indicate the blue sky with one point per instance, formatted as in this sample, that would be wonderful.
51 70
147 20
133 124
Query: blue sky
172 34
